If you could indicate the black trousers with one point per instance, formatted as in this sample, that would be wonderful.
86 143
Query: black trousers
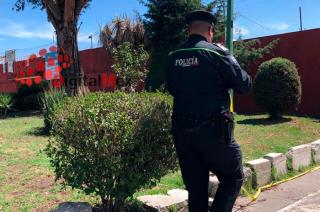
199 152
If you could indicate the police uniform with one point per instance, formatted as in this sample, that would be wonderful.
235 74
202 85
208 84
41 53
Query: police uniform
198 75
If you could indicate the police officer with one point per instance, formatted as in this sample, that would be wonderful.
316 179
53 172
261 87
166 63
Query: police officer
198 75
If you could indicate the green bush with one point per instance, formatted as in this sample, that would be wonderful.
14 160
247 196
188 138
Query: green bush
130 66
113 144
30 102
50 101
6 102
277 86
28 97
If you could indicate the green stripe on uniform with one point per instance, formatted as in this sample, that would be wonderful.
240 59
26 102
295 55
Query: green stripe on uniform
190 49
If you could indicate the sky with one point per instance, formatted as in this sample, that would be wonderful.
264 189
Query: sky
29 31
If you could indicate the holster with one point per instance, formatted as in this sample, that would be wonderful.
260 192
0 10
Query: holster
225 127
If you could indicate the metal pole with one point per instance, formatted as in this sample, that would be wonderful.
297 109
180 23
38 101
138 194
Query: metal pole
90 37
300 18
229 40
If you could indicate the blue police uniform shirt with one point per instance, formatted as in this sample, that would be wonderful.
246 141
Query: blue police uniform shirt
199 74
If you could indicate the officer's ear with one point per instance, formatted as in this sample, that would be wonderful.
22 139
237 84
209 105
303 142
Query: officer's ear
212 29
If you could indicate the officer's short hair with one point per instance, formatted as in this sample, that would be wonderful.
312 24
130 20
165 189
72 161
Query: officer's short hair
200 26
201 15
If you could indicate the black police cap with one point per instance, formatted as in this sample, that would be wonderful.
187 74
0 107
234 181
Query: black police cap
201 15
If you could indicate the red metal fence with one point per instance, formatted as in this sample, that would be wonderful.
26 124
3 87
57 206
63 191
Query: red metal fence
96 64
7 82
303 48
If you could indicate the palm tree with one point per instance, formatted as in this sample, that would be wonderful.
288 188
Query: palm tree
122 30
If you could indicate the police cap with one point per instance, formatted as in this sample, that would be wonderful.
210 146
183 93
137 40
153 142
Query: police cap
201 15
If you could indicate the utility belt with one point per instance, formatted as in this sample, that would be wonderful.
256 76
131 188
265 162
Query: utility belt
222 123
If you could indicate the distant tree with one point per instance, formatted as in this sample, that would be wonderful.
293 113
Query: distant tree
166 27
218 7
64 16
249 52
122 30
125 39
129 66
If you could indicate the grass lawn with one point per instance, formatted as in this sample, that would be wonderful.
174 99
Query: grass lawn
258 136
27 180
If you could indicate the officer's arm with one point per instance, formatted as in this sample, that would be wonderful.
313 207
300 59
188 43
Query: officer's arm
235 77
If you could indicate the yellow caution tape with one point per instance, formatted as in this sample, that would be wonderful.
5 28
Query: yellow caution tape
256 195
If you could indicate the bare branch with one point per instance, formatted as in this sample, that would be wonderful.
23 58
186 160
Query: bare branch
79 6
69 7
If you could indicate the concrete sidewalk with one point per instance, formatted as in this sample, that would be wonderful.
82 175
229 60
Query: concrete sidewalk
299 195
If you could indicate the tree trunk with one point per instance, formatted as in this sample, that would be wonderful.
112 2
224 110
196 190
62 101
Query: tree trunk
111 205
275 115
64 15
67 41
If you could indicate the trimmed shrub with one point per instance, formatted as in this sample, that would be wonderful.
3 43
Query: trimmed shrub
51 100
277 86
6 102
113 144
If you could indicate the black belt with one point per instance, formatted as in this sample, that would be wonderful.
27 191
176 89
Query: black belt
197 123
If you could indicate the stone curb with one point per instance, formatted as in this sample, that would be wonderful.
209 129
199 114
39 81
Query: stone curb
176 198
261 171
299 157
278 164
257 172
315 148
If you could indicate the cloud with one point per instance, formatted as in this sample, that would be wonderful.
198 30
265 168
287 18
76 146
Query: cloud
18 30
241 31
279 26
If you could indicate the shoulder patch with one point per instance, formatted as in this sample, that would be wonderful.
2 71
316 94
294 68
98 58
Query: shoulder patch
222 47
234 59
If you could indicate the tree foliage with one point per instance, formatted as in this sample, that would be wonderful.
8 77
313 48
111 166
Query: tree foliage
122 30
166 27
49 4
130 66
218 7
249 52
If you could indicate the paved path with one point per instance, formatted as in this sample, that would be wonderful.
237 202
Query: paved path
299 195
308 203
